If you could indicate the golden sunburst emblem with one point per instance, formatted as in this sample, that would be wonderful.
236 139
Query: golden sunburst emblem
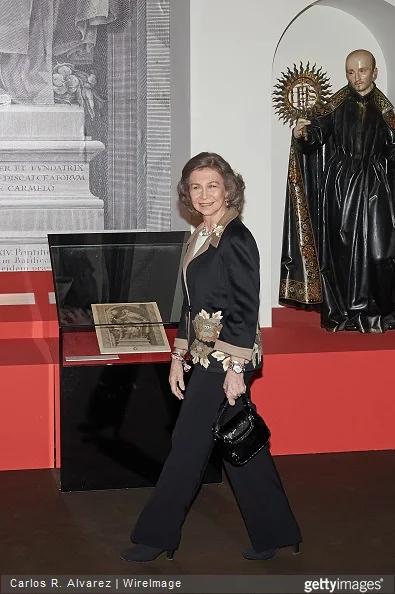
301 93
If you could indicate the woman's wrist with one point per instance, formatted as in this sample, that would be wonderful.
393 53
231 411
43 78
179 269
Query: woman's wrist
236 366
176 359
179 355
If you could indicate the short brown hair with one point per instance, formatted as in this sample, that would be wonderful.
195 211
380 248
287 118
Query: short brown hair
234 183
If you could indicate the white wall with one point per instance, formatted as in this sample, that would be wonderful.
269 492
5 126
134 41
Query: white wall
232 47
306 40
379 16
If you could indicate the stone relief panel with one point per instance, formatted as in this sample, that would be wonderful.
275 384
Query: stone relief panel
84 120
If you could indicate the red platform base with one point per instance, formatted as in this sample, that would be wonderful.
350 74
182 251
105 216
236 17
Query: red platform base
28 357
27 405
324 392
319 392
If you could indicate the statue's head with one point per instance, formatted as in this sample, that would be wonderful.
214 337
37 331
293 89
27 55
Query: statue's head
361 71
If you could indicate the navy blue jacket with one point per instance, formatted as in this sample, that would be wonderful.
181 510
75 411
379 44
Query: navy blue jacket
220 312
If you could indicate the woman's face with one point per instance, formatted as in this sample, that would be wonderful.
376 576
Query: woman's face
207 192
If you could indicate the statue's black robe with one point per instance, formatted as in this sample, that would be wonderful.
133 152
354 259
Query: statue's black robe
339 228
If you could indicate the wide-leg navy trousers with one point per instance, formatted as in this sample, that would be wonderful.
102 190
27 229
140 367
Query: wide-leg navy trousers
257 485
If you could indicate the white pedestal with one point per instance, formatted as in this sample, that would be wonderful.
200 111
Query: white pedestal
44 175
42 122
44 186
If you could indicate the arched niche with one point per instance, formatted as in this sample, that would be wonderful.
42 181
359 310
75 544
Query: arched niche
325 32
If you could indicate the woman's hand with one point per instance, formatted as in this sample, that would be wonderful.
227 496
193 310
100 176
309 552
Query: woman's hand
176 379
234 386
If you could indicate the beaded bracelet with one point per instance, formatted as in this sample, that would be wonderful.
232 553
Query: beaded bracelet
178 352
176 356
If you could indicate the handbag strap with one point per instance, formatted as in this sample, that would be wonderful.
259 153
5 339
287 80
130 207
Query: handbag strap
224 405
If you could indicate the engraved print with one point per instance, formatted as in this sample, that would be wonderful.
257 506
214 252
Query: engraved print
129 328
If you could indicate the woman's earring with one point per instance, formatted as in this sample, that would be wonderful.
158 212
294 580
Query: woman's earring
227 203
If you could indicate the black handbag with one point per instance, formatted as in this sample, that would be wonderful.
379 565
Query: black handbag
240 438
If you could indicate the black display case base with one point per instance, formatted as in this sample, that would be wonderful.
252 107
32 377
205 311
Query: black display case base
117 422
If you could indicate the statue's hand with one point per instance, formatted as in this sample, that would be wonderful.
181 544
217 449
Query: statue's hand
300 128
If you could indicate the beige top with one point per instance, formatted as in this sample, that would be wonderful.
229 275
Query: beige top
199 242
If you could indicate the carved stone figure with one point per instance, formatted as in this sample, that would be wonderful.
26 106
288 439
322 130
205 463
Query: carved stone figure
35 34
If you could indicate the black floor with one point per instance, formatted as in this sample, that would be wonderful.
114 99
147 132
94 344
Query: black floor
345 504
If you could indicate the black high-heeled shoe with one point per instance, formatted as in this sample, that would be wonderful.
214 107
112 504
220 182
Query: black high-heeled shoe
252 555
142 553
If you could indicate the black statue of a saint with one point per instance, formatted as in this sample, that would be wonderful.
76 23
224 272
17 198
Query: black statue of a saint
339 229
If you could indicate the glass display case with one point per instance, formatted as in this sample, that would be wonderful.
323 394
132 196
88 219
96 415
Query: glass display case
119 301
